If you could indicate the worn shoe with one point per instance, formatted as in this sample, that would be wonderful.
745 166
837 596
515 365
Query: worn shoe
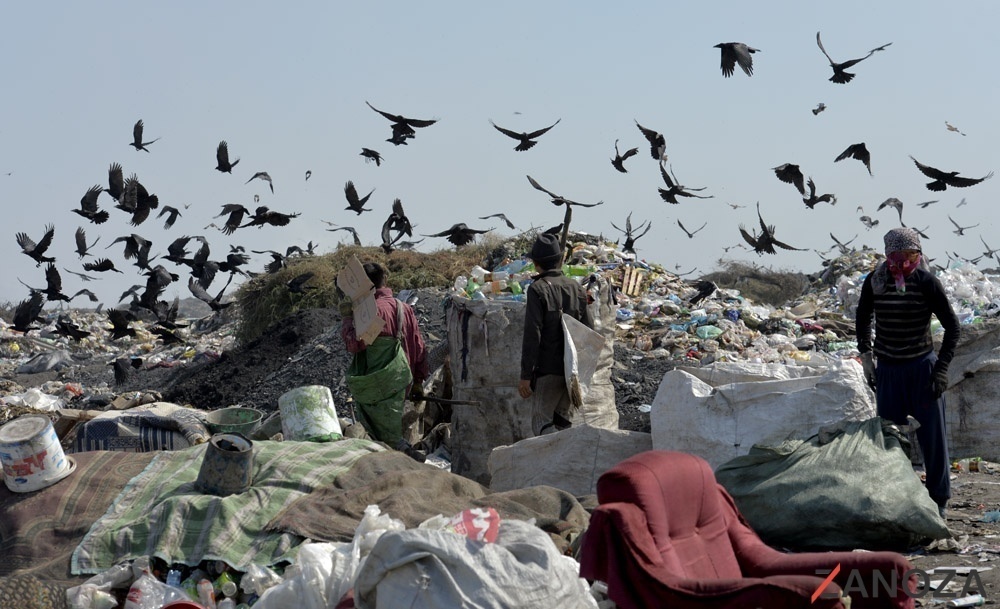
943 512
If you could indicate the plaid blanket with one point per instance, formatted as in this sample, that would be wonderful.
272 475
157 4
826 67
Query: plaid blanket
39 530
160 513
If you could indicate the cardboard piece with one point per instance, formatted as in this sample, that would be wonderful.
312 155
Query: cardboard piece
355 283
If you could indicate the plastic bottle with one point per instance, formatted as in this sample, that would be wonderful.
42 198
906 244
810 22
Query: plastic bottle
225 585
190 585
460 282
500 275
973 600
226 603
206 594
478 273
174 578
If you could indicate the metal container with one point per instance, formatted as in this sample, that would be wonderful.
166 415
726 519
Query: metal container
227 468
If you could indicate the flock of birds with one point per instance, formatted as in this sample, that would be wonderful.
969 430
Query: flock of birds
132 198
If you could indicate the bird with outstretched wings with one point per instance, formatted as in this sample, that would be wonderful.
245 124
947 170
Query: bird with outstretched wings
944 179
222 158
88 206
509 224
736 53
558 199
460 234
262 175
657 142
859 152
525 140
354 202
790 173
619 161
674 189
840 75
764 243
811 200
137 142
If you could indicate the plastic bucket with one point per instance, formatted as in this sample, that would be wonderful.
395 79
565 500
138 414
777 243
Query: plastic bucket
308 413
234 419
227 467
31 455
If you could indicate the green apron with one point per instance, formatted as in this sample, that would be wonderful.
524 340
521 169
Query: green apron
378 378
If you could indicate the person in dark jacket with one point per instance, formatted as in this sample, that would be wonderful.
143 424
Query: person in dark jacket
543 375
902 293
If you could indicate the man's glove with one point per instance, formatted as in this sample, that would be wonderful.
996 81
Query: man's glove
868 365
939 379
346 308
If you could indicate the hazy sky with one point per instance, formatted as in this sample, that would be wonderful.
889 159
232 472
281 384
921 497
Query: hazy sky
286 83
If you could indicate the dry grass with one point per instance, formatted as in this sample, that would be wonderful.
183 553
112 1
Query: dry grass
758 284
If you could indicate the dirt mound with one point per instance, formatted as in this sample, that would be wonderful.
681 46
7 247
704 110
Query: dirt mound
239 376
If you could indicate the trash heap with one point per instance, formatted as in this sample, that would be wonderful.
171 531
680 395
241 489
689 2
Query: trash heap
696 322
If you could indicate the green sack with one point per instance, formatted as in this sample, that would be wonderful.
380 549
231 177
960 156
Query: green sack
378 378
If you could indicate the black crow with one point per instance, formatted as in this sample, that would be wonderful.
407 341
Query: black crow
525 140
82 249
36 251
674 189
116 182
657 143
137 142
354 233
690 234
791 174
263 216
171 218
859 152
944 179
236 213
509 224
460 234
557 199
370 155
100 265
88 207
630 236
28 311
355 203
619 161
120 319
812 199
222 158
402 127
840 76
765 241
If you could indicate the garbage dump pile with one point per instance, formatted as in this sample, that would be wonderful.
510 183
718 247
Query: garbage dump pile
663 321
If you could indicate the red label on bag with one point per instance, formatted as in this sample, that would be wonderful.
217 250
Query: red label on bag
479 524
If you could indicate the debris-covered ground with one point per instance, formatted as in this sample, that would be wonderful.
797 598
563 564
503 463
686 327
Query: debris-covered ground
668 322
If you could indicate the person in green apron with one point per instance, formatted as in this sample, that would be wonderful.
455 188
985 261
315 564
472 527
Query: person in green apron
381 374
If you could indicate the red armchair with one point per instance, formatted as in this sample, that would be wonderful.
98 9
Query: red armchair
666 534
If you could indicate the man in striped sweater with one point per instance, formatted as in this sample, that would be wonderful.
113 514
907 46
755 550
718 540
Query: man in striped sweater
902 293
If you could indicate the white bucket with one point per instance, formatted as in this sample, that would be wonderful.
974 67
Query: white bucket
31 455
308 412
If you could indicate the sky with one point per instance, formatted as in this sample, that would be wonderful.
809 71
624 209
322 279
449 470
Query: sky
285 84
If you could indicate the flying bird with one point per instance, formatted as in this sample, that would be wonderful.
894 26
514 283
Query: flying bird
619 161
951 127
88 206
895 204
791 174
36 251
959 230
402 127
263 175
263 216
560 200
137 142
308 174
116 182
28 311
123 367
525 140
690 234
120 319
66 327
657 143
370 155
216 303
812 199
236 213
630 235
765 241
926 203
509 224
82 249
53 285
859 152
354 233
460 234
674 189
840 75
868 222
172 214
819 108
842 246
397 221
944 179
100 265
297 285
136 247
222 158
137 201
81 275
733 53
355 203
277 260
990 252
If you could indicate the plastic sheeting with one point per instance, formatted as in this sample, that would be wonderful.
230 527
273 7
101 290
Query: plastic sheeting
851 487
